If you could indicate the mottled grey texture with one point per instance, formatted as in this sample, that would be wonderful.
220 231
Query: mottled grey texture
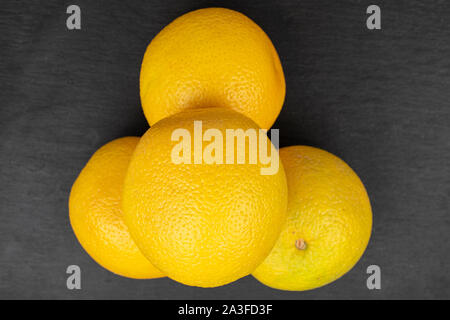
378 99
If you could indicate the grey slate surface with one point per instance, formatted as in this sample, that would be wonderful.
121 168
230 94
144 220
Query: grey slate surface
378 99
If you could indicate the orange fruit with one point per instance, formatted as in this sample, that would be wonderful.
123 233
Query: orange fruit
202 224
328 226
96 214
212 57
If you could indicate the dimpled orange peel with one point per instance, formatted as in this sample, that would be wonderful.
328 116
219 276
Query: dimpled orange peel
328 226
96 214
202 224
212 57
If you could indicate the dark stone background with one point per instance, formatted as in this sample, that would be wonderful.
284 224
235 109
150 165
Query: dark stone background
378 99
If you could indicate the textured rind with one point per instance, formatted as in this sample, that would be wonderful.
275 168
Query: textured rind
328 207
212 57
201 224
96 215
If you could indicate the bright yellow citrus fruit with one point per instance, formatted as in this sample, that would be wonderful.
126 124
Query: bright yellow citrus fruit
202 224
96 214
212 57
328 226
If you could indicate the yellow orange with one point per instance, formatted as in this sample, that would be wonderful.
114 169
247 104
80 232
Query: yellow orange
201 224
328 226
96 214
212 57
